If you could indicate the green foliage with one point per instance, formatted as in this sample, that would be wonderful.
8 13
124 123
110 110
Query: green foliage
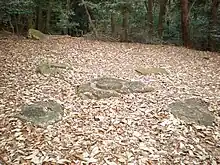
11 8
64 21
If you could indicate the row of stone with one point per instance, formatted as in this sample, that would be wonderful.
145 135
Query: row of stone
43 113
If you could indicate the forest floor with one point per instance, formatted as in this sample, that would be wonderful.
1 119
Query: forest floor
134 129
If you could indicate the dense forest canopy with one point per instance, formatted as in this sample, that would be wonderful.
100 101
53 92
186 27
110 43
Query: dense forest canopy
192 23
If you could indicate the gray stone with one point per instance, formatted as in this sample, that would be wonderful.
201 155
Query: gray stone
137 87
110 87
109 83
148 71
46 68
192 110
41 113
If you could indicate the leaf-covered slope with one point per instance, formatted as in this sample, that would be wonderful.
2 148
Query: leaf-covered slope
134 128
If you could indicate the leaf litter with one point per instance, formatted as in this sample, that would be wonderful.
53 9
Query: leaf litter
132 129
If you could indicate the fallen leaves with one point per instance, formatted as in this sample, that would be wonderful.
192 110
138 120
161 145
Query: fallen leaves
132 129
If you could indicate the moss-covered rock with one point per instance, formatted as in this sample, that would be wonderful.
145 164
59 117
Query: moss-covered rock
192 110
110 87
41 113
36 34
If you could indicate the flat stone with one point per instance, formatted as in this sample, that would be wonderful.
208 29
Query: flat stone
148 71
110 87
46 68
88 91
109 83
138 87
41 113
192 110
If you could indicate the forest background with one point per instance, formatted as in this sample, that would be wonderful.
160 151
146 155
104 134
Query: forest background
192 23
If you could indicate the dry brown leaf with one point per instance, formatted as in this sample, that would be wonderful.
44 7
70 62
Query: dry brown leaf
138 128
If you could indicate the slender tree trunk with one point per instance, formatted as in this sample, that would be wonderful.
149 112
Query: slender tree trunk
125 26
161 17
68 14
39 18
48 17
113 24
149 7
30 21
22 24
36 18
168 17
11 25
213 24
185 22
17 19
90 19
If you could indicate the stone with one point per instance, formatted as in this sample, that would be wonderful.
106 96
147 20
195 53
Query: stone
138 87
36 34
148 71
41 113
192 110
88 91
110 87
109 83
46 68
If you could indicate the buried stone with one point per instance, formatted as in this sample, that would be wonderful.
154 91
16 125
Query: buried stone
41 113
149 71
46 68
192 110
110 87
109 83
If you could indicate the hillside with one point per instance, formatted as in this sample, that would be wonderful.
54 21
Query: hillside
133 129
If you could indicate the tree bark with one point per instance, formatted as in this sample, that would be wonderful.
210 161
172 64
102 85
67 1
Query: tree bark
90 19
30 21
48 17
11 25
39 18
213 24
113 24
161 17
17 19
149 7
67 28
185 22
125 26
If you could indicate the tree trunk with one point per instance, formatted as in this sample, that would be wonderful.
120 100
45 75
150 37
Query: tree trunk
11 25
90 19
213 24
17 19
185 22
125 26
149 7
161 17
39 18
48 17
30 21
68 29
113 24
